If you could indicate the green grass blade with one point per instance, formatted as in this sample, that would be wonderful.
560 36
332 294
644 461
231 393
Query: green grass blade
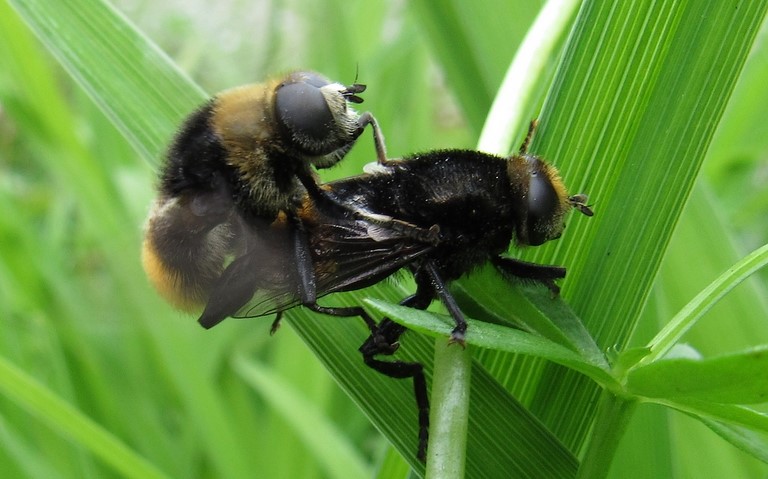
727 413
745 439
27 457
628 121
507 115
530 307
117 66
637 154
393 466
43 404
745 428
322 438
637 97
453 42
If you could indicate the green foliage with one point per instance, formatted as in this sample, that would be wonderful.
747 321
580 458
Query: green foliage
100 379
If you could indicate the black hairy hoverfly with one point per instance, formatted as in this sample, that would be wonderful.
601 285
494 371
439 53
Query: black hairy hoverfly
477 204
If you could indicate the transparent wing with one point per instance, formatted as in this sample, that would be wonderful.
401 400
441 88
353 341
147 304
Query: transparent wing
265 278
345 257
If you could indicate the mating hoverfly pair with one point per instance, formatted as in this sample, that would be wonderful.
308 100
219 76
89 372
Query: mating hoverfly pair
242 228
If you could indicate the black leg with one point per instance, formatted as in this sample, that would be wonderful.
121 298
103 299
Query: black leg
276 323
378 137
460 330
522 270
306 281
384 341
308 288
401 370
328 204
345 312
339 312
305 268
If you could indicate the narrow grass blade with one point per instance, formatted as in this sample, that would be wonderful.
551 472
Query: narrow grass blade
46 406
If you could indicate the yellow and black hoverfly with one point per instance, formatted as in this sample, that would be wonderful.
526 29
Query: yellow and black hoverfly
238 162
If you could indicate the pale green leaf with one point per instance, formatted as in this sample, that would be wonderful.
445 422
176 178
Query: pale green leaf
736 415
492 336
736 378
744 438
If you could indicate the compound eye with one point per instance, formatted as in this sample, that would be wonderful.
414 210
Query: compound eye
542 198
303 110
542 205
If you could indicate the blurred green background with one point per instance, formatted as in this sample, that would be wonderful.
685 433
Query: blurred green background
77 314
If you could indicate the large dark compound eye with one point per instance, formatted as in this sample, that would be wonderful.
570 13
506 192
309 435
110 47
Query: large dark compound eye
542 198
302 109
543 205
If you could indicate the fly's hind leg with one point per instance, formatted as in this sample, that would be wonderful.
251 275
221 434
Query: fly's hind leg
385 341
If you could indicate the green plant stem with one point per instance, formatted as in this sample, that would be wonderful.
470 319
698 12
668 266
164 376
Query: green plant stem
612 418
450 411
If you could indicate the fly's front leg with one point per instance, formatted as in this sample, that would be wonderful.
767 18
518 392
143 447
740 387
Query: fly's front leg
378 138
333 207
